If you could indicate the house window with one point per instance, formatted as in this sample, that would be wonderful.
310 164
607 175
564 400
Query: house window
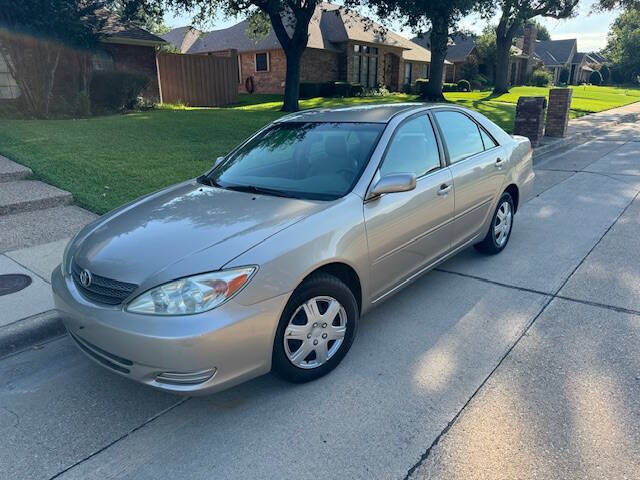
407 72
365 65
102 61
425 70
262 62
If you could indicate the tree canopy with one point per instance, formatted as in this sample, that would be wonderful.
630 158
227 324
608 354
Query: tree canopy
515 13
623 45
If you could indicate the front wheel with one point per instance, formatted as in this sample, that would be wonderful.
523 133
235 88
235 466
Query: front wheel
316 329
501 225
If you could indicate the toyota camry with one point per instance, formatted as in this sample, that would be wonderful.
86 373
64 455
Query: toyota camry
267 261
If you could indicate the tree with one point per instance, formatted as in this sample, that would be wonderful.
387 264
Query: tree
35 34
441 16
514 14
147 15
542 32
623 45
486 50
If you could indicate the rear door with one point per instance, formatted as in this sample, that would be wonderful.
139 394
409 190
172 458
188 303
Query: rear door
477 167
408 230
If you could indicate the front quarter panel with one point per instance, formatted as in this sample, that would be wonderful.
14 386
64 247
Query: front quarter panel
335 234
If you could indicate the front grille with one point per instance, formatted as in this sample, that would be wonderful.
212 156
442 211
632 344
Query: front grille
102 289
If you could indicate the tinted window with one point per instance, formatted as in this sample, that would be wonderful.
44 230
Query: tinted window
487 140
307 160
413 149
461 135
262 64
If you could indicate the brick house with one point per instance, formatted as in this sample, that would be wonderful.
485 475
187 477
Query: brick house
123 47
526 55
459 48
342 46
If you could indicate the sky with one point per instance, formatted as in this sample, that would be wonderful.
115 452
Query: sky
589 28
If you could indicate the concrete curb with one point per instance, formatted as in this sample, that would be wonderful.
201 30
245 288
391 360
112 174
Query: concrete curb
579 138
30 331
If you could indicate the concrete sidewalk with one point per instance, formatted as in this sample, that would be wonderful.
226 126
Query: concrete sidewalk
36 222
589 127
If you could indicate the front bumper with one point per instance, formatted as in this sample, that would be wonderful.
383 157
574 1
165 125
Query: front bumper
193 354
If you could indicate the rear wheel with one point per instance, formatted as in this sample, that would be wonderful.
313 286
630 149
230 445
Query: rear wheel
316 329
501 225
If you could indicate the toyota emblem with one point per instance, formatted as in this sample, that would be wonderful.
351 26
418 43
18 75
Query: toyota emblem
85 278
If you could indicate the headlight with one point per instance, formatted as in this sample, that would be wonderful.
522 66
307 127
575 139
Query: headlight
192 294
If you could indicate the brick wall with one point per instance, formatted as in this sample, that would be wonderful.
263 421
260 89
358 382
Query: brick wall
136 58
529 120
558 112
271 81
320 66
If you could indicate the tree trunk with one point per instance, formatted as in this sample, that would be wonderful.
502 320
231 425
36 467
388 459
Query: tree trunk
292 80
439 39
503 47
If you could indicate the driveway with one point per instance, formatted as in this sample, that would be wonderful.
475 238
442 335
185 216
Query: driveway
520 365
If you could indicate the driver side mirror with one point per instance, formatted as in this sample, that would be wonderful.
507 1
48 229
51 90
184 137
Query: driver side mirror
395 182
218 161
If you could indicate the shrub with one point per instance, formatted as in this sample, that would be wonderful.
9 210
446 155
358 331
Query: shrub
464 86
564 75
595 78
421 86
449 87
328 89
479 82
310 90
115 91
541 78
605 72
346 89
406 88
357 90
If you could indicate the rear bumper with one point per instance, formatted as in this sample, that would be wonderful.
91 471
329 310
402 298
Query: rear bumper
194 354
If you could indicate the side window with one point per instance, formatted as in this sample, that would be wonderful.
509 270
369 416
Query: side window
461 135
262 62
413 149
487 140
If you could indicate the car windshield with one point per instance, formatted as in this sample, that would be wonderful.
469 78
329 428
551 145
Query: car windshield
311 160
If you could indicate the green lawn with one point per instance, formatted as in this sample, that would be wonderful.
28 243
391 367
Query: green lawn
107 161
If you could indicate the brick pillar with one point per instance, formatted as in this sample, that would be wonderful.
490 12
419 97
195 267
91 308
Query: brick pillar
530 118
558 113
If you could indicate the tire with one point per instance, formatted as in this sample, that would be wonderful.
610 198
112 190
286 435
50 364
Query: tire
289 361
494 242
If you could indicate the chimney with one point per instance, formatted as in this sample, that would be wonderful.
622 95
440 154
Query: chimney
529 39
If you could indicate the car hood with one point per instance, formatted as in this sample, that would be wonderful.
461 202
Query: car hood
186 229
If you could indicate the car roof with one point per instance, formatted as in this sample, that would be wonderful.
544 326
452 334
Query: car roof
377 113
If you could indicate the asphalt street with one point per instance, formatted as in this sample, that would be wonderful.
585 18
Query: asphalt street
521 365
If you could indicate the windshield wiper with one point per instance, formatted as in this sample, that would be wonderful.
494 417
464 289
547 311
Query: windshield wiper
259 190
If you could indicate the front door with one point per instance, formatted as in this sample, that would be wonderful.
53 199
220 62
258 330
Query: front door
477 166
408 230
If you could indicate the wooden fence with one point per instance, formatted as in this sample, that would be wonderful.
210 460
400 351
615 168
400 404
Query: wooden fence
198 80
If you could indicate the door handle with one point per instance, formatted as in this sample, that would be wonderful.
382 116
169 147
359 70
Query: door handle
499 163
444 189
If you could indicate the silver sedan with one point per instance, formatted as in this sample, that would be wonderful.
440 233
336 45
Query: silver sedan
267 261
